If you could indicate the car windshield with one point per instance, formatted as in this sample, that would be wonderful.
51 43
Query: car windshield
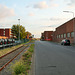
67 41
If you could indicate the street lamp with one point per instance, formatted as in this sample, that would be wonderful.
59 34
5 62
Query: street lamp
73 22
19 29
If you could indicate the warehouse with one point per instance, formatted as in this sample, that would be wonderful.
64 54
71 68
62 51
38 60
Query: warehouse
65 31
47 35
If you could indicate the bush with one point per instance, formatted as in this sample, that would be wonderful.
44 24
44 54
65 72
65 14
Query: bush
21 67
18 68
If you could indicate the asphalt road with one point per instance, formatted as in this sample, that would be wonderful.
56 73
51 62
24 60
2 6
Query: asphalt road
54 59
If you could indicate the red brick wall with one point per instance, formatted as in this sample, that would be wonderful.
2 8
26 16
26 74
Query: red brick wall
7 32
64 28
48 35
1 32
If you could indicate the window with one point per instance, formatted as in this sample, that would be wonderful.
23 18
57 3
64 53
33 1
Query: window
57 36
64 35
4 32
61 35
68 35
72 34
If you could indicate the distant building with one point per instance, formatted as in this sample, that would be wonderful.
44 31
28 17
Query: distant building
6 32
27 36
47 35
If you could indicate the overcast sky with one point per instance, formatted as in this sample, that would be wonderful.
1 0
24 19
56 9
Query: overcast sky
36 15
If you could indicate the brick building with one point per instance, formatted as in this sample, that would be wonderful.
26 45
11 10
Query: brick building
27 36
3 37
6 32
65 31
47 35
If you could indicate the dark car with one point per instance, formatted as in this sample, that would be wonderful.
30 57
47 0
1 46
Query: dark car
5 41
13 40
9 41
1 41
65 42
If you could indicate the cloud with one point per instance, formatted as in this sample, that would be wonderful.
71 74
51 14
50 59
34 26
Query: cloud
71 3
6 12
27 6
41 5
54 5
55 19
31 14
51 0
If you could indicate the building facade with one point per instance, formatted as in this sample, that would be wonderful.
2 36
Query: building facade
47 35
6 33
65 31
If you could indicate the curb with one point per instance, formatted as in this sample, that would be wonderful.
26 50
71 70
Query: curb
32 70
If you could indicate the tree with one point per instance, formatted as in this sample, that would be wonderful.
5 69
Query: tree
28 33
15 31
22 32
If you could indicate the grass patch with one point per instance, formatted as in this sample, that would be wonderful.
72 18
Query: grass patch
7 50
4 51
22 66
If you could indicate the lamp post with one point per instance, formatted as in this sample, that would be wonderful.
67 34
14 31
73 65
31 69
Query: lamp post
73 22
19 29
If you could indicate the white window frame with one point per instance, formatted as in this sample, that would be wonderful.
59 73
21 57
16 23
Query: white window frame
68 35
64 35
72 34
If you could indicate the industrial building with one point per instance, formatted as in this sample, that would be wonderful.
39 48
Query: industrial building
64 31
47 35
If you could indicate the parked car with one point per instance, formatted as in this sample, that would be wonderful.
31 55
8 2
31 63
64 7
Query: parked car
5 41
65 42
9 41
1 41
13 40
17 41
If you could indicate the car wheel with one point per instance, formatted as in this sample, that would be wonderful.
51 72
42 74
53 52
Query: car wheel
63 44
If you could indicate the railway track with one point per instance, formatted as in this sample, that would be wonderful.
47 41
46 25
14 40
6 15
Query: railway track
7 58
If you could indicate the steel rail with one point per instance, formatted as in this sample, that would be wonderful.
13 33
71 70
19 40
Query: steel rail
12 58
10 52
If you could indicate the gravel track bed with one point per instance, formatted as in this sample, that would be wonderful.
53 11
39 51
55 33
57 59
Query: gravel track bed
5 59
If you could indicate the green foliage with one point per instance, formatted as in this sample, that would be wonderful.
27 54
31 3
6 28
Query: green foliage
25 54
18 68
31 49
21 67
15 31
28 33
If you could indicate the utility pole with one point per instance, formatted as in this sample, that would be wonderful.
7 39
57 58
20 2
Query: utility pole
19 29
